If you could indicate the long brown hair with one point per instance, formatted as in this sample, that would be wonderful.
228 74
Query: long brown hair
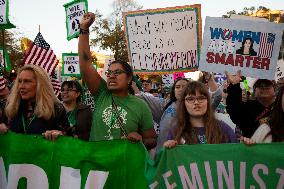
277 118
185 130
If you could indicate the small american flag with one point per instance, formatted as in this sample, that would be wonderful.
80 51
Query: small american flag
56 84
2 82
266 45
42 55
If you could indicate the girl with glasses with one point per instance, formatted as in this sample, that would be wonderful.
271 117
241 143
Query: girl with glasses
79 115
196 123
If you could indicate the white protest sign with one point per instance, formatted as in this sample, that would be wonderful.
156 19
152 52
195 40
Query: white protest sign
3 11
279 74
236 44
74 13
164 40
106 66
4 15
70 64
2 62
168 80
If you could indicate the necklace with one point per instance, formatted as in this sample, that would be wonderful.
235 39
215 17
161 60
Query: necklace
24 123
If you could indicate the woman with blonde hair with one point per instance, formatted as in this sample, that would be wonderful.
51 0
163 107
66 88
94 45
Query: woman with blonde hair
196 122
32 107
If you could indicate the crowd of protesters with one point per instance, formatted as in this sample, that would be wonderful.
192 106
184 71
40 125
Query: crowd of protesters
124 109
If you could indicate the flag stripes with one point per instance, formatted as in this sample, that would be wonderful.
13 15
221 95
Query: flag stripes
266 45
2 83
42 55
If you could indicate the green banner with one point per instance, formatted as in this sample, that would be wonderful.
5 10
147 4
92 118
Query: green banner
31 162
69 163
219 166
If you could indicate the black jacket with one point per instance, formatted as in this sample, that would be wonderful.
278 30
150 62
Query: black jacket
40 125
249 115
84 122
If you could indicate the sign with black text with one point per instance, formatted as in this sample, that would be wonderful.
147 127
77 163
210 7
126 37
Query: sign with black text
164 40
74 13
237 44
70 64
4 15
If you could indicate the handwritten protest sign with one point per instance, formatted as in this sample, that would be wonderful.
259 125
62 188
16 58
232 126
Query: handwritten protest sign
4 15
164 40
279 74
168 80
235 44
70 64
4 60
74 13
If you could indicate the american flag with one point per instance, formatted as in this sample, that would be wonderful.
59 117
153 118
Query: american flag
42 55
56 84
266 45
2 82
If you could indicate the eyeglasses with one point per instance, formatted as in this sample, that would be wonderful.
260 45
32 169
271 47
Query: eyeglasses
199 99
68 90
115 72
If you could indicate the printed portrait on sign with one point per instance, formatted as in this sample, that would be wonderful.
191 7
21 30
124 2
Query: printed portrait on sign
247 47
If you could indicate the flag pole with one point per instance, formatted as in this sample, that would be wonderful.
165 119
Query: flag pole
39 28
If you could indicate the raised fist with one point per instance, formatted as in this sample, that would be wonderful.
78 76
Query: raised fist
87 20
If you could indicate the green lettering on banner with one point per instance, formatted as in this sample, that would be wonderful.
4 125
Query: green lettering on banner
69 163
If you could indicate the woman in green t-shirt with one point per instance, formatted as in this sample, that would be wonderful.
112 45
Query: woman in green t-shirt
117 114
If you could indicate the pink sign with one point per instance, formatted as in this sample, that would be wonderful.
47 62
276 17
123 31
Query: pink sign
178 75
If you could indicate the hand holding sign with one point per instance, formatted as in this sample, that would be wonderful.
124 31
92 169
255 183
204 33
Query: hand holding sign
87 20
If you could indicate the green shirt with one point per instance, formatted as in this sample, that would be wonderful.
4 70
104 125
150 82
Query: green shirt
72 117
135 115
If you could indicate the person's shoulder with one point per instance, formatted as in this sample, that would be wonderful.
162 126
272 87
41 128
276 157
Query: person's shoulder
58 106
239 51
136 99
81 106
225 127
253 53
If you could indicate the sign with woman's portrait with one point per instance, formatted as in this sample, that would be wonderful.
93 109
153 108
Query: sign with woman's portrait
237 44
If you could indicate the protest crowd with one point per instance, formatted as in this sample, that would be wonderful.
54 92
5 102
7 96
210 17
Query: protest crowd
127 107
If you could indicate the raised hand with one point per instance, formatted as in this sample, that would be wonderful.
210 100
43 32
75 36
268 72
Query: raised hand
234 79
87 20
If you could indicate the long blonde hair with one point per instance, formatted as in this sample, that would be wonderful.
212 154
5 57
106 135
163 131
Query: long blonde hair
45 98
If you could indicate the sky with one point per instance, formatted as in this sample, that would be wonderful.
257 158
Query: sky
27 15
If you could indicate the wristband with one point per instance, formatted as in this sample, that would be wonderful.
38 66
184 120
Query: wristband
84 31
